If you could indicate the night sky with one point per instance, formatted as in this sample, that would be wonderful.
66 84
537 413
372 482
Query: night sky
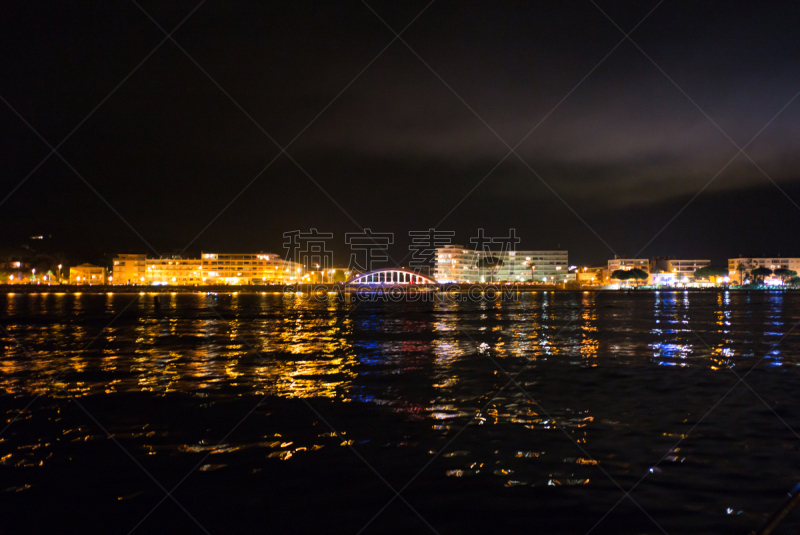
615 137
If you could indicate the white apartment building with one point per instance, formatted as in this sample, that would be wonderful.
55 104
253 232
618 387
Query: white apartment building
773 263
456 263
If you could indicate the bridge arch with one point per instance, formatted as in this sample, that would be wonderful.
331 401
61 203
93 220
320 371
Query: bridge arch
391 276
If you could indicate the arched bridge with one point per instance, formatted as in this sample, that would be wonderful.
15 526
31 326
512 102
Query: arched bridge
393 276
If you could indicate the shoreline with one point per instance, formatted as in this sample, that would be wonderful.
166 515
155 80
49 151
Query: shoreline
338 287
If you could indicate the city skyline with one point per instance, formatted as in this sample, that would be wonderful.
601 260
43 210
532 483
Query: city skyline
401 248
431 260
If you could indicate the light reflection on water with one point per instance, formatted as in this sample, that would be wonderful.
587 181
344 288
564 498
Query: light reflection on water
620 376
316 349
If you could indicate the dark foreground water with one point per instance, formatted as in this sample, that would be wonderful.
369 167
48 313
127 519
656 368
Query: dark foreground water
259 414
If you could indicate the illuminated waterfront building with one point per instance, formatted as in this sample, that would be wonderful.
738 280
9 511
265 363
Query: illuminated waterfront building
174 271
210 268
663 279
681 268
259 268
593 275
628 263
17 272
129 269
455 263
15 265
770 262
87 274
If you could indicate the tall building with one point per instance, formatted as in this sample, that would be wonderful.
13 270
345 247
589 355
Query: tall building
129 269
210 268
773 263
455 263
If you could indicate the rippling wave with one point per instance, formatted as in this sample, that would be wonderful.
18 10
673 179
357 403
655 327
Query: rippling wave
532 412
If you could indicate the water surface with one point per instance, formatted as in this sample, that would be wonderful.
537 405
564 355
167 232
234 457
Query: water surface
268 414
